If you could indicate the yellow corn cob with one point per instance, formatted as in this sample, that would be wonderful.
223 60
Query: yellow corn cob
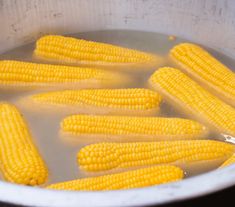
28 75
106 156
206 69
229 161
71 50
131 179
101 101
19 158
124 127
184 93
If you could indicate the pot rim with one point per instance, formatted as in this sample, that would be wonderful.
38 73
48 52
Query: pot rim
189 188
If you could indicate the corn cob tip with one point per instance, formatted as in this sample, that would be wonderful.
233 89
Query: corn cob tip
183 44
34 174
228 162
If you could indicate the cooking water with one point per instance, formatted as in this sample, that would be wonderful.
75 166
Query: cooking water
60 152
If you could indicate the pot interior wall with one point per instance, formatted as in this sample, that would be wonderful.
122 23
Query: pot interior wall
206 21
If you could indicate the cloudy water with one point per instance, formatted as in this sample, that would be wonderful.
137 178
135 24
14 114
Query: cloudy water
59 151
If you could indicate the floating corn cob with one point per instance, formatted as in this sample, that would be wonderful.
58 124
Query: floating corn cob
17 74
131 179
229 161
101 101
107 156
71 50
187 95
206 69
135 128
19 158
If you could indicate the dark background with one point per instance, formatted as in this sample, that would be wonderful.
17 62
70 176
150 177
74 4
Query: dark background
220 198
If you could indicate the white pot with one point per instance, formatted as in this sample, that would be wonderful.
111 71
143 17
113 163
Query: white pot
204 21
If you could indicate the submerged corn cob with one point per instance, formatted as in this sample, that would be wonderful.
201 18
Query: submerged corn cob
20 161
102 101
106 156
124 127
187 95
72 50
229 161
25 74
206 69
126 180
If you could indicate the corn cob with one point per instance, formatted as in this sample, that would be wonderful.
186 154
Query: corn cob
107 156
101 101
124 127
71 50
19 158
28 75
206 69
131 179
229 161
187 95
